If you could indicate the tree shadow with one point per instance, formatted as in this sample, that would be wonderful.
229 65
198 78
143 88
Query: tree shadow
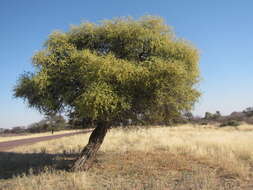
14 164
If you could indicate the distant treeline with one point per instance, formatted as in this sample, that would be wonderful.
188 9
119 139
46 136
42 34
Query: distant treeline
58 122
234 119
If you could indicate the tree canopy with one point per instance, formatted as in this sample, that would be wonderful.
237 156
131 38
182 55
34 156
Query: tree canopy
113 70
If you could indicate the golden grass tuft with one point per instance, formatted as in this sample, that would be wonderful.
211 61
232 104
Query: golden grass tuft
50 180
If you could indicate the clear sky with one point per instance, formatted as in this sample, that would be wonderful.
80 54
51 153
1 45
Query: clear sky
221 29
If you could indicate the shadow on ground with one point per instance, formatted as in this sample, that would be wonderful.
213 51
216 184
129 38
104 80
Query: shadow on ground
13 163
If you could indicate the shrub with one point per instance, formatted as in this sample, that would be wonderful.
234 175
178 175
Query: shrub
232 123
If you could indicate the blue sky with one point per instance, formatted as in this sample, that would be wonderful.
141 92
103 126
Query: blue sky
221 29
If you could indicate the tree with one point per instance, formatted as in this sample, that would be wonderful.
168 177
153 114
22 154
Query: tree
56 122
248 111
112 71
217 115
77 121
208 115
188 115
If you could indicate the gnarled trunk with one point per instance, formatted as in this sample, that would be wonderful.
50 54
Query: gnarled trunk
87 156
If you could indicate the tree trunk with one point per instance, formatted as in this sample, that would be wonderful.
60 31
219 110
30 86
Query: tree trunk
87 156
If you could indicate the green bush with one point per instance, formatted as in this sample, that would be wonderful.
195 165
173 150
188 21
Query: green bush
232 123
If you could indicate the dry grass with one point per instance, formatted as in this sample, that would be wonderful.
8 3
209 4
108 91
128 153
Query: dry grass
187 157
31 135
57 180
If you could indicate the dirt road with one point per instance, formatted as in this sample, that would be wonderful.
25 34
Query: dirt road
13 144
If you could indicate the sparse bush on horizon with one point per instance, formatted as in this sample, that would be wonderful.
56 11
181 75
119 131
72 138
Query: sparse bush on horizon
237 117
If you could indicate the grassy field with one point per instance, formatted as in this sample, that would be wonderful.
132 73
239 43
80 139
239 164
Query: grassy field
176 158
33 135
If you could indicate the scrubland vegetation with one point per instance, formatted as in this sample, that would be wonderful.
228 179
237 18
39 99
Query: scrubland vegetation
183 157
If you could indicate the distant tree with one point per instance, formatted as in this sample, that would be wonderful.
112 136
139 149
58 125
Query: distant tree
212 116
239 116
208 115
248 111
37 127
216 116
49 123
113 71
217 113
188 115
235 113
18 129
56 122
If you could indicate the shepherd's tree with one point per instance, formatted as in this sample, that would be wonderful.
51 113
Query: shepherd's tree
112 71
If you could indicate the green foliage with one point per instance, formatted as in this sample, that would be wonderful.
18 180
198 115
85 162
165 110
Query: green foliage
208 115
232 123
53 122
211 116
118 69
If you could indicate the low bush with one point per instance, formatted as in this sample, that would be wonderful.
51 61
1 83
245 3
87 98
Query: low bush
232 123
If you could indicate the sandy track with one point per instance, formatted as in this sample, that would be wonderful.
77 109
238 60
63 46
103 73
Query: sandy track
13 144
